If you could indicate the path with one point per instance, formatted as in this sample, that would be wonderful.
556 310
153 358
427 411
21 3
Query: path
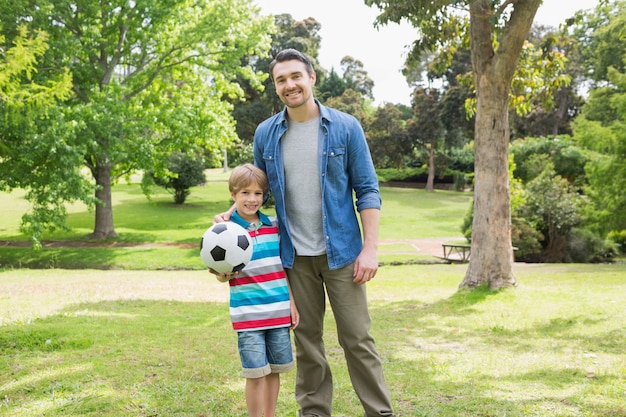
431 246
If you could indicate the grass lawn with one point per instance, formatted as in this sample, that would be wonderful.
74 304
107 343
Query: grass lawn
166 236
157 343
117 331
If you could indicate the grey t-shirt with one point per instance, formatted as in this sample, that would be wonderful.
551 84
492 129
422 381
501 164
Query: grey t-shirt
303 192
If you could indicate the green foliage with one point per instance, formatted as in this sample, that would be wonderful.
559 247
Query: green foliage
402 175
606 140
185 171
388 138
553 208
619 239
468 219
532 154
149 77
356 77
30 149
601 34
526 239
18 68
584 246
332 86
260 101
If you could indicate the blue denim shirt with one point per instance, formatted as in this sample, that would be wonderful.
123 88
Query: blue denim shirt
345 167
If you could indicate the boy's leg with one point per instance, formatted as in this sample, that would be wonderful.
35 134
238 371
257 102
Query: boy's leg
271 388
255 396
252 352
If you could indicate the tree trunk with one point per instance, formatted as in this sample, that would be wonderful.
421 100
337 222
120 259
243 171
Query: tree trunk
103 228
430 182
491 260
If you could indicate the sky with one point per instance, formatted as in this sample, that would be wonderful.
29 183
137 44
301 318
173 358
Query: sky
347 29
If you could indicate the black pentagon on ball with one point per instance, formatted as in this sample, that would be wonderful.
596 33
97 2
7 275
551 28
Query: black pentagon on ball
243 242
239 267
218 253
219 228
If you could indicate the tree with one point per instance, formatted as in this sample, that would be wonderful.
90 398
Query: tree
388 138
260 103
548 112
149 77
426 127
553 208
600 127
356 76
332 86
497 34
27 103
353 103
186 171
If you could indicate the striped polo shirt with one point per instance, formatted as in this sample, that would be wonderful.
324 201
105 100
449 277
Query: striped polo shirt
259 295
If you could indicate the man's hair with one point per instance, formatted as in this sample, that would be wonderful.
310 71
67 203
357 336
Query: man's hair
290 55
245 175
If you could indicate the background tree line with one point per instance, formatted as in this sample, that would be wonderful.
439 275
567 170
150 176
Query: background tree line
114 89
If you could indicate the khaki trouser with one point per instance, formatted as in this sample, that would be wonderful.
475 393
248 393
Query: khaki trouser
310 280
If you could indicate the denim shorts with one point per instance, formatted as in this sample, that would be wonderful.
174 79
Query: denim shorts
265 351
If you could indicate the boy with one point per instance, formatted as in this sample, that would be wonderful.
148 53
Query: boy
262 309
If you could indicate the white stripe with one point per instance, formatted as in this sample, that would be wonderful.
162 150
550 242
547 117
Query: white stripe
259 308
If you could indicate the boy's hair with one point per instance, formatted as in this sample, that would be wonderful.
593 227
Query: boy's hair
245 175
289 55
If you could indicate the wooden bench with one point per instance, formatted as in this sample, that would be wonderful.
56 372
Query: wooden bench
459 252
456 252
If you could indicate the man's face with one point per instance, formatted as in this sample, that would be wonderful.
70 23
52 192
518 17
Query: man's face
294 85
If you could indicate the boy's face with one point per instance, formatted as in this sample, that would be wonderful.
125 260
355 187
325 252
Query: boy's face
248 201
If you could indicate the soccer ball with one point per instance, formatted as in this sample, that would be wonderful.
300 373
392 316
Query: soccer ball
226 247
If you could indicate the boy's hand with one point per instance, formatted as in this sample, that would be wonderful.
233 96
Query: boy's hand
223 277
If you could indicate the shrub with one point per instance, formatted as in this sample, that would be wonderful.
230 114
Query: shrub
526 239
619 239
187 171
584 246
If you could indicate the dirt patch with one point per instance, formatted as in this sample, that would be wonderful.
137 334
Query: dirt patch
430 246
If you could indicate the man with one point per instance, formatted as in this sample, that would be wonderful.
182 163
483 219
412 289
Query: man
315 158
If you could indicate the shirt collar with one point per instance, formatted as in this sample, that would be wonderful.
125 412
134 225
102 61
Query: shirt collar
236 218
324 114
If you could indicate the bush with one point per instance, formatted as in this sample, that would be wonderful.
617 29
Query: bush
526 239
458 178
188 171
619 239
583 246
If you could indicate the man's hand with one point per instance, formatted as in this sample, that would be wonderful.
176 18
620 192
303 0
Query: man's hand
224 217
366 266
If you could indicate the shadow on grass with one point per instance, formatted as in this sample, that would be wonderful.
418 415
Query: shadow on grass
142 257
454 369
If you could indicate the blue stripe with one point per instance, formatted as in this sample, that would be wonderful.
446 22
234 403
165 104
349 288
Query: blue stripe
250 301
255 291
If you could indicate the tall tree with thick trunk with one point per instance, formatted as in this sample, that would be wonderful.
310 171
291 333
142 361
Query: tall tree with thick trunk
497 33
149 77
